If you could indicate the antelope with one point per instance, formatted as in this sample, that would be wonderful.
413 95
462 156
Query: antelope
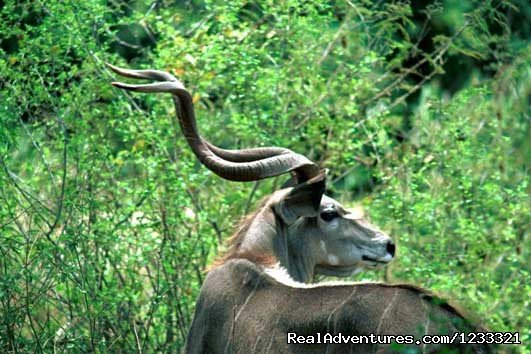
246 306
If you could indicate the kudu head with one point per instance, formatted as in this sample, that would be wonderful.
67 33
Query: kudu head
306 231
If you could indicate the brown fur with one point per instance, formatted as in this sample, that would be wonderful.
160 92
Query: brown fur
233 243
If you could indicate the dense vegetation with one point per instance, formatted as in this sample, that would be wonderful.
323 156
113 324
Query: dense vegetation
107 221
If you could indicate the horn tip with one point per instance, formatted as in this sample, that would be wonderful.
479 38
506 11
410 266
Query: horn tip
123 86
112 67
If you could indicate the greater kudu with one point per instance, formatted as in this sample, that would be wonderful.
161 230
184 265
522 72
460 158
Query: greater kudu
305 231
242 309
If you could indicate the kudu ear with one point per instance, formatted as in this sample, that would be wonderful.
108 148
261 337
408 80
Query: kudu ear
303 200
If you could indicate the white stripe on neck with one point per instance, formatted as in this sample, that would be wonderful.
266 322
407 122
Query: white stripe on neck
281 275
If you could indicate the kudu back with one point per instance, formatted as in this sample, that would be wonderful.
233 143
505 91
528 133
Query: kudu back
243 309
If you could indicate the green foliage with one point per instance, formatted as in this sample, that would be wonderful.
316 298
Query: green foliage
107 221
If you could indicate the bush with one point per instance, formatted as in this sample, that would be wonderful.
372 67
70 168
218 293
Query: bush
107 220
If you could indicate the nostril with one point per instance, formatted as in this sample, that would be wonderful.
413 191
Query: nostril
391 248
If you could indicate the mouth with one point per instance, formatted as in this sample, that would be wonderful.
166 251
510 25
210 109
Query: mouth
380 260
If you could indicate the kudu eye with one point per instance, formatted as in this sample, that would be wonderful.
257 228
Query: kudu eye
329 215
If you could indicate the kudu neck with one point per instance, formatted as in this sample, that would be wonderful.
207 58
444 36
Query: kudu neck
268 236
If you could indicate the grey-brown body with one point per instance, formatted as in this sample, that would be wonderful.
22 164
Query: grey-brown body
241 309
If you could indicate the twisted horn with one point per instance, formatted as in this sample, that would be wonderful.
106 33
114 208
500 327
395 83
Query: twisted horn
236 165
